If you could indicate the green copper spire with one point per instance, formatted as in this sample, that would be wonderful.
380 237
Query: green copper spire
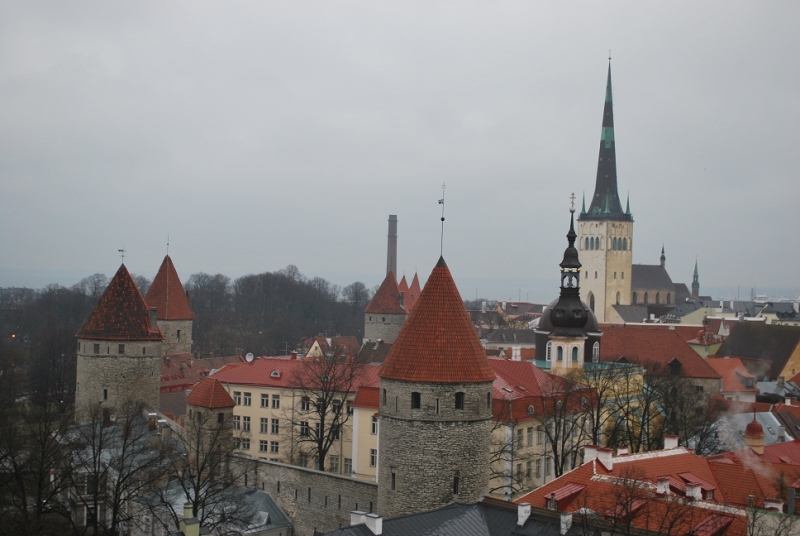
583 206
628 205
605 204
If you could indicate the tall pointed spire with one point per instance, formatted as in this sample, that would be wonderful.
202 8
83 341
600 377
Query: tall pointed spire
605 204
663 257
695 283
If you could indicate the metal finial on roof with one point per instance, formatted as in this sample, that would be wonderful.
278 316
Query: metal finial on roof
572 202
441 240
167 243
122 254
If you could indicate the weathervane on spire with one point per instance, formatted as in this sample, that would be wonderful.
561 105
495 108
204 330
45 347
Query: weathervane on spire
441 242
122 254
609 54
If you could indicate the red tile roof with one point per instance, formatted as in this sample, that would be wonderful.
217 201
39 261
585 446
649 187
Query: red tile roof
414 290
181 371
209 393
654 348
167 294
121 314
438 342
366 397
387 299
734 374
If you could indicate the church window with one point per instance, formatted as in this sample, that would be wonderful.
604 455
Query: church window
618 296
574 354
625 244
669 298
596 352
560 353
615 275
645 297
614 243
415 400
658 297
634 297
460 400
586 242
591 300
549 351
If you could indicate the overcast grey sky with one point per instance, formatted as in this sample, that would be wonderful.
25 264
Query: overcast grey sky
262 134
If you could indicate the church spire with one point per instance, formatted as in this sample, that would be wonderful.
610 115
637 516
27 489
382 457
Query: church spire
605 204
663 257
696 283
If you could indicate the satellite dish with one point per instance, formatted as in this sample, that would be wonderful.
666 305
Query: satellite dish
249 357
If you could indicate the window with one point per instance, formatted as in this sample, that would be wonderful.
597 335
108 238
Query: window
619 297
658 297
528 469
246 401
488 401
337 407
121 349
237 422
276 401
645 297
374 425
335 431
560 353
459 400
245 424
519 472
530 436
547 463
273 447
394 481
698 388
415 400
245 443
105 394
456 482
348 466
179 334
305 404
384 397
274 429
539 435
304 429
334 463
303 462
220 418
519 438
262 445
591 297
615 275
596 352
264 400
538 468
144 350
97 348
373 457
669 298
237 397
264 425
549 351
237 443
634 297
574 354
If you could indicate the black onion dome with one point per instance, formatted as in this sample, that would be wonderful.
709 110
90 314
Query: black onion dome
546 323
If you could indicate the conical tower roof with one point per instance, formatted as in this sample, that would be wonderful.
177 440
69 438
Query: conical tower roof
120 314
387 299
167 294
438 343
415 291
209 393
605 204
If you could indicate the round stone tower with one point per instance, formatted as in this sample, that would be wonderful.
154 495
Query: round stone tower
386 313
175 315
119 350
435 406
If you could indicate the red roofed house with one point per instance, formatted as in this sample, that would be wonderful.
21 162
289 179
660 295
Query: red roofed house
120 348
175 315
737 382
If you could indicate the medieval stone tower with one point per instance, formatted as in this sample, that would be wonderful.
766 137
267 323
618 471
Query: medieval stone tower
120 348
568 330
605 232
435 406
386 313
175 315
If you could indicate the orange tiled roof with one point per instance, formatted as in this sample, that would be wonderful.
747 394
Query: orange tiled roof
209 393
366 397
654 347
167 294
121 313
438 342
414 291
387 298
181 371
733 372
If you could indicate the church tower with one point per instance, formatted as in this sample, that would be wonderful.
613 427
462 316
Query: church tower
605 230
175 315
435 406
119 350
695 283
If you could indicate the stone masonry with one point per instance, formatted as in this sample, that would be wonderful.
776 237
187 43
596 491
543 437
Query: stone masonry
383 326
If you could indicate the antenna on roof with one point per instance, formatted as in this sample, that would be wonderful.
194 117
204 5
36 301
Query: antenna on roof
441 242
122 254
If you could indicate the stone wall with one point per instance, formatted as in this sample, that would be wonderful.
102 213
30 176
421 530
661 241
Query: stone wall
382 326
105 375
175 343
436 454
313 499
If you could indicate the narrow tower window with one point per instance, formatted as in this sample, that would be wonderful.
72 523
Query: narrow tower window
460 400
415 400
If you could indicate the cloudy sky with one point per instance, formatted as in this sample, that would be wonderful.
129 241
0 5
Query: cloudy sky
262 134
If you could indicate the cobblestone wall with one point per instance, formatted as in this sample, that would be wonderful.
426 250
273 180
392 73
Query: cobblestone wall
382 326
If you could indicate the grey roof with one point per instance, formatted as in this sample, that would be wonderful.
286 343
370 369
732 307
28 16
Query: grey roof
650 276
512 336
730 429
682 293
374 352
484 518
774 388
757 340
632 313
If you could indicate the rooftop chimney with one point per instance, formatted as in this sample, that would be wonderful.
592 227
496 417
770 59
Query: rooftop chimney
589 453
606 457
566 523
622 451
773 504
375 524
663 485
357 517
694 491
523 513
670 442
391 253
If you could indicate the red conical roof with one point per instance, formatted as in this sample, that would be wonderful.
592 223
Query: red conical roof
167 294
415 291
438 343
120 314
387 299
209 393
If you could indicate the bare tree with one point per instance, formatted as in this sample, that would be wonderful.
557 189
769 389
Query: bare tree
357 296
93 286
324 385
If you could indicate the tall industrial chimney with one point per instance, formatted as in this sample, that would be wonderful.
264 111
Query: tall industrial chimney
391 253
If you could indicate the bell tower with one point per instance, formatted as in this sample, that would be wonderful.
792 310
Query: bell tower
605 234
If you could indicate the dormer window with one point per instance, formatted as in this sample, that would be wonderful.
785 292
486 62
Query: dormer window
275 374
